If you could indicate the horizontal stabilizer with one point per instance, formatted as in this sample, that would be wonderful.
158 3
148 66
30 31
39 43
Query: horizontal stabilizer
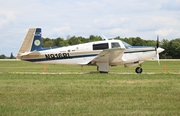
30 53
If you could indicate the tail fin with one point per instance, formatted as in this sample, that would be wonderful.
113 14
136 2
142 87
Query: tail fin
32 42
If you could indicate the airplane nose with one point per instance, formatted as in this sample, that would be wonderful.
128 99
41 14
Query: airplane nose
159 50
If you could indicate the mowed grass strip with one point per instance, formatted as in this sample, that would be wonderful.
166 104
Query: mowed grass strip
89 94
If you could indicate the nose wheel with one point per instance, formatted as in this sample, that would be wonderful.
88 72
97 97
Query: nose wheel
138 70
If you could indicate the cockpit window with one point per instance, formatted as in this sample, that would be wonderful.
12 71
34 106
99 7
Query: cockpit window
126 45
115 45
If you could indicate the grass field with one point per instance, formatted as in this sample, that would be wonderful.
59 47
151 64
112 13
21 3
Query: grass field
26 90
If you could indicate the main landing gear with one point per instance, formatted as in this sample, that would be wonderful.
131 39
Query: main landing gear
138 70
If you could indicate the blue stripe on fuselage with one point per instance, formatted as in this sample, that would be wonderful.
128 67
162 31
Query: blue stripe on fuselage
141 47
78 56
70 57
139 51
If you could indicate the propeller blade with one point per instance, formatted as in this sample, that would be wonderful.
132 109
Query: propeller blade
156 48
157 42
158 58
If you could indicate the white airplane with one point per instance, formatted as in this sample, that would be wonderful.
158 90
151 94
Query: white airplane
102 54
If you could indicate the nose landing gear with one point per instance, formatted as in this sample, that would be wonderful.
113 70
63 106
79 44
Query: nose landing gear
138 70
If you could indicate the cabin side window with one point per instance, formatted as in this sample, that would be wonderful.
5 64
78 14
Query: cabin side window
115 45
101 46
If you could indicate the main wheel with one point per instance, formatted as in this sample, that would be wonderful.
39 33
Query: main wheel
138 70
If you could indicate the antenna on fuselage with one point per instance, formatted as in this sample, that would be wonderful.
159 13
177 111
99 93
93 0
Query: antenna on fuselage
104 37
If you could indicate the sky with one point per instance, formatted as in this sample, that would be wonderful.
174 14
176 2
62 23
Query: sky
62 18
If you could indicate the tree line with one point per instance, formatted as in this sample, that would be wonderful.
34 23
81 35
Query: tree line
172 47
6 57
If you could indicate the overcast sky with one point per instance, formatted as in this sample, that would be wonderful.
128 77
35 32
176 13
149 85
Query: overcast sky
112 18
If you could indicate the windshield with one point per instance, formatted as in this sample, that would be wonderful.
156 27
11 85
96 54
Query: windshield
126 45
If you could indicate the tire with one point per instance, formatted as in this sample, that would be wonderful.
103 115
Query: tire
138 70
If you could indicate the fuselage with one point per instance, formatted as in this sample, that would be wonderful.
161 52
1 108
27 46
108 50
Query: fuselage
82 54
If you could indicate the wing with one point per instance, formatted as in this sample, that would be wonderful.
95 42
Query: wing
111 56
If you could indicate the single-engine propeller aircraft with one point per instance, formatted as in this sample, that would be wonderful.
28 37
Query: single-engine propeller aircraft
102 54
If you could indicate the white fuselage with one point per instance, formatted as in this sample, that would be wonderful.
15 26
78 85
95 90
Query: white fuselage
82 54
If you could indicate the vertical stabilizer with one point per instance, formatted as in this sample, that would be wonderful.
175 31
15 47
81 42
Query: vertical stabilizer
32 42
37 41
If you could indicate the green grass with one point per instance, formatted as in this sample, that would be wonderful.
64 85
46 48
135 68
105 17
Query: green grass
88 94
148 67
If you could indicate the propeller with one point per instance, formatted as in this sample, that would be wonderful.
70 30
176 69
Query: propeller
157 45
157 54
157 42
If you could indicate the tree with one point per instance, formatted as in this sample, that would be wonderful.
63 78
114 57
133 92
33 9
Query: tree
94 38
137 41
149 42
174 48
59 41
11 56
47 42
74 40
164 44
2 56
